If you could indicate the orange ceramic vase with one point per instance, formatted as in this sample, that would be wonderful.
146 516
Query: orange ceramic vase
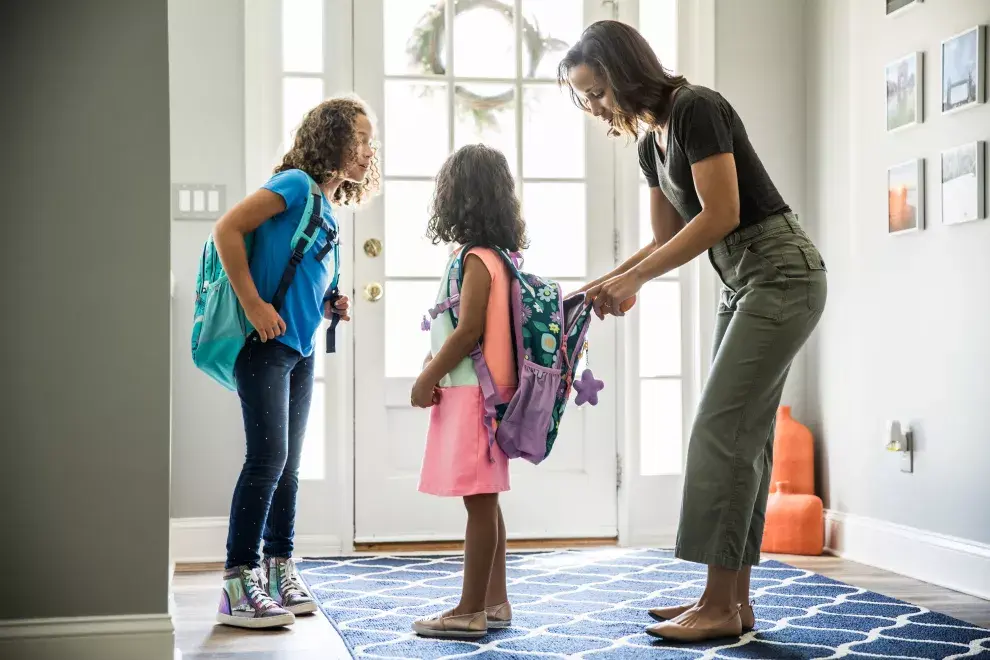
795 523
793 454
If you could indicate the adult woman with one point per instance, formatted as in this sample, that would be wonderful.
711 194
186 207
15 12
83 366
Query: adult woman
709 192
333 147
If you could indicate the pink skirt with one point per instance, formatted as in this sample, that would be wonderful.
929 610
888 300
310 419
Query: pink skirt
456 462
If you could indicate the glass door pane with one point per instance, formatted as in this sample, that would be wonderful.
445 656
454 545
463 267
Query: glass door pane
444 81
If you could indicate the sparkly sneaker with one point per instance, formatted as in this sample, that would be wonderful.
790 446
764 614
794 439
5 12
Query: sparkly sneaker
244 603
285 586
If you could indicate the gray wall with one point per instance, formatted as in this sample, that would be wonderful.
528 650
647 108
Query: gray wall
206 56
905 332
760 68
84 478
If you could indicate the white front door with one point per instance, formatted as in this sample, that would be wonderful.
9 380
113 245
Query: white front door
439 81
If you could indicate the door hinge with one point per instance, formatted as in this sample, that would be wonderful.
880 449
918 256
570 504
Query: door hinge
613 5
618 472
615 245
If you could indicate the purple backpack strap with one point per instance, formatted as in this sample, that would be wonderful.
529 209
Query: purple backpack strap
489 394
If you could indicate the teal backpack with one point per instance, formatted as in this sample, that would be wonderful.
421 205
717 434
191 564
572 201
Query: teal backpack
549 338
220 327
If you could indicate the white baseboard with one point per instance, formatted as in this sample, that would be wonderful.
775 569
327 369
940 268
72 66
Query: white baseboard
946 561
661 540
125 637
204 540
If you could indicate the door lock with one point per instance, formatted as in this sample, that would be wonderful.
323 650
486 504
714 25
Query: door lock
372 247
374 292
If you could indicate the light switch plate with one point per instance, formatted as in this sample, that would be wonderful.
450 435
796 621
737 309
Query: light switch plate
198 201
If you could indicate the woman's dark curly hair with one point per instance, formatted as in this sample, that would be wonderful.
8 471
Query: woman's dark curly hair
326 143
475 201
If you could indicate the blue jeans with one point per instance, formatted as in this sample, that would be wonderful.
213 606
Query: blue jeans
275 384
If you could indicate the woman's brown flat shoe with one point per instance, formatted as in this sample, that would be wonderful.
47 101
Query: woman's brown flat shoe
675 632
746 614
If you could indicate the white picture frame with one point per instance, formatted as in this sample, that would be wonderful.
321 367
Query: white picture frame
962 83
906 197
963 183
905 102
898 7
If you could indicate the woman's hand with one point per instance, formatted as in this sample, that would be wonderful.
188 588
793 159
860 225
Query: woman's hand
341 308
265 320
608 296
424 394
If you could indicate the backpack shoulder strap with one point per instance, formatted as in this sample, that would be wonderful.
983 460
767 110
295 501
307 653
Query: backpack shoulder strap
307 232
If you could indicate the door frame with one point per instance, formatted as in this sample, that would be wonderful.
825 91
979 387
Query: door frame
333 529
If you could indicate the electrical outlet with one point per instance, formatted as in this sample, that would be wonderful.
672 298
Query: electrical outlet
198 201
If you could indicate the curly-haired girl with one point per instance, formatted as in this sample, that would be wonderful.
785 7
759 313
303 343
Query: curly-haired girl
475 208
274 371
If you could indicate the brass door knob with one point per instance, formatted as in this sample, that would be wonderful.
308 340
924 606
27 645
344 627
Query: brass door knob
374 292
372 247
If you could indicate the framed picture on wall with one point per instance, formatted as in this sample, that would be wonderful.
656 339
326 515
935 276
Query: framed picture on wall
905 92
964 70
963 183
906 197
898 6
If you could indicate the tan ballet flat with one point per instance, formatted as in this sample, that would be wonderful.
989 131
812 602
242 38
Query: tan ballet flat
675 632
445 624
746 615
499 616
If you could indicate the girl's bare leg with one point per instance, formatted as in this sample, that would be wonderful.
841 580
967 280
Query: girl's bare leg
480 543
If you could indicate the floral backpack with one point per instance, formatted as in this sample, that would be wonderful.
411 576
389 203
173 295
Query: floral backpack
549 340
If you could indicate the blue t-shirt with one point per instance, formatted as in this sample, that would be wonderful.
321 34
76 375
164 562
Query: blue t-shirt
302 310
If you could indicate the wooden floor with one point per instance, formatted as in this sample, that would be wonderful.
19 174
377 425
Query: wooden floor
198 637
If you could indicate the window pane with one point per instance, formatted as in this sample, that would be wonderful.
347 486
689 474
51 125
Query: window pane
406 343
312 462
661 442
559 24
659 310
299 96
658 24
403 49
320 352
302 36
645 226
553 134
496 127
416 138
484 43
407 251
555 221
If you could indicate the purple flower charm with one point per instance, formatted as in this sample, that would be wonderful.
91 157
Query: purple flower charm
587 388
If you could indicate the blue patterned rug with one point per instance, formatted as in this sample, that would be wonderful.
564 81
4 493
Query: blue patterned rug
592 604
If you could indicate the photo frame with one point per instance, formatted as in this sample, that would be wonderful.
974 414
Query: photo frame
896 7
905 92
963 68
963 183
906 197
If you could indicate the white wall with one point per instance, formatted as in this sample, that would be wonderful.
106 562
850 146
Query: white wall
760 69
905 332
206 60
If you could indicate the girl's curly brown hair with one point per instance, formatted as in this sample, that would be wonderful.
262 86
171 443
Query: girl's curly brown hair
326 143
475 201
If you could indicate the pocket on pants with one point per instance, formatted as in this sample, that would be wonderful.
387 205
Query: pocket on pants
817 278
762 290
